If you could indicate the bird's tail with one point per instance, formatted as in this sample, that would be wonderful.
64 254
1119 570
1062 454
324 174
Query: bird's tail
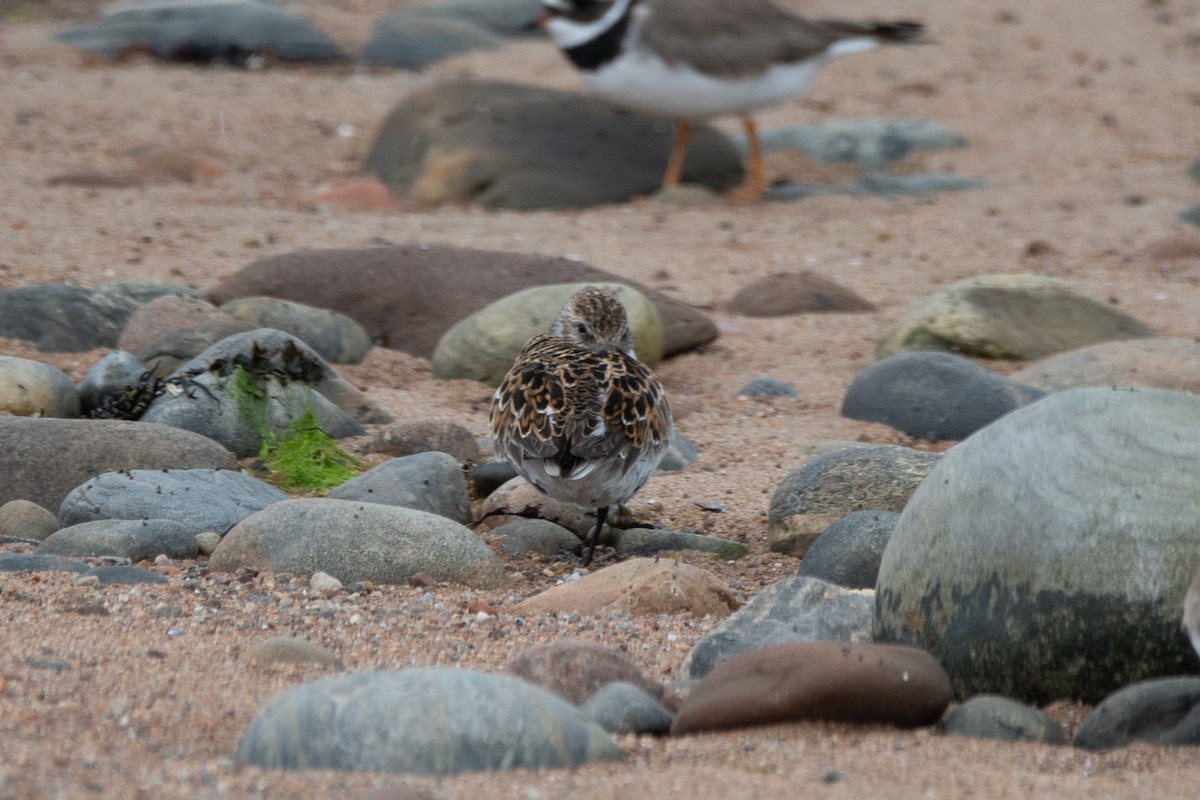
898 32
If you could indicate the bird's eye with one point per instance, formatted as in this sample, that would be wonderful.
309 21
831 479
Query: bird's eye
581 329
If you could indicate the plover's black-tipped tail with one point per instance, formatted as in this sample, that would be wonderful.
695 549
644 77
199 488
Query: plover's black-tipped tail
898 32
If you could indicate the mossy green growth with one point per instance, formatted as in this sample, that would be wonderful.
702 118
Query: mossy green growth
306 458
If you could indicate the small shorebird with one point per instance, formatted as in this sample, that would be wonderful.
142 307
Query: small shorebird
691 60
1191 611
578 415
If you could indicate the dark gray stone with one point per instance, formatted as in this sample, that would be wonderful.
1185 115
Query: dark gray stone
423 721
535 536
201 31
767 387
412 38
136 540
791 610
336 337
40 562
680 453
407 296
506 145
432 482
1165 711
869 143
355 541
849 551
621 707
878 184
199 499
988 716
933 395
124 575
1047 555
651 541
42 460
1191 215
490 476
108 380
508 18
810 499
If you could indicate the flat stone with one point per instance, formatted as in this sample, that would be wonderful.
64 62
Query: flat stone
42 460
786 293
791 610
409 39
137 540
650 541
861 683
1163 363
1009 316
355 541
1164 711
870 143
407 296
199 499
424 435
505 145
989 716
535 536
288 650
641 586
123 575
40 562
933 396
575 669
422 721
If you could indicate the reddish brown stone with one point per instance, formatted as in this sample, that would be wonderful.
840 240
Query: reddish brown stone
425 435
795 293
574 670
867 683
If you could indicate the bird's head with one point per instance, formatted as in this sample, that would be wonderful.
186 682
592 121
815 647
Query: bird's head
594 319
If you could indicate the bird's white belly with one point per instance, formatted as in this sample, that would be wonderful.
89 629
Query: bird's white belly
647 84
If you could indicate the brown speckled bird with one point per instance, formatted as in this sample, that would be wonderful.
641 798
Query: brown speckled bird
578 415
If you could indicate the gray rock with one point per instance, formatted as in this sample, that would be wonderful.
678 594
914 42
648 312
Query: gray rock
336 337
1194 169
432 482
124 538
207 541
483 346
33 389
791 610
506 145
109 381
123 575
278 346
199 499
1165 711
1191 215
423 721
1163 363
153 320
680 453
829 487
848 552
933 395
202 31
869 143
509 18
209 408
425 435
490 476
412 38
407 296
651 541
575 669
25 520
62 318
624 708
1009 316
356 541
535 536
785 293
1047 556
39 562
42 460
767 387
878 184
989 716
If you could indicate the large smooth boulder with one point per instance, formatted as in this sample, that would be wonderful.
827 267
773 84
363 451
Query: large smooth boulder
1047 556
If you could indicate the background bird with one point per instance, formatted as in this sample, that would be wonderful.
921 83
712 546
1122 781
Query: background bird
691 60
578 415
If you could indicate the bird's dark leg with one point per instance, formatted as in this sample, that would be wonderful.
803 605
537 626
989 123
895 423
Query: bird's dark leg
589 546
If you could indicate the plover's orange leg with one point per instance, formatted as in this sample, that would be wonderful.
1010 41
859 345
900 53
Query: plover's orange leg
756 182
679 148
